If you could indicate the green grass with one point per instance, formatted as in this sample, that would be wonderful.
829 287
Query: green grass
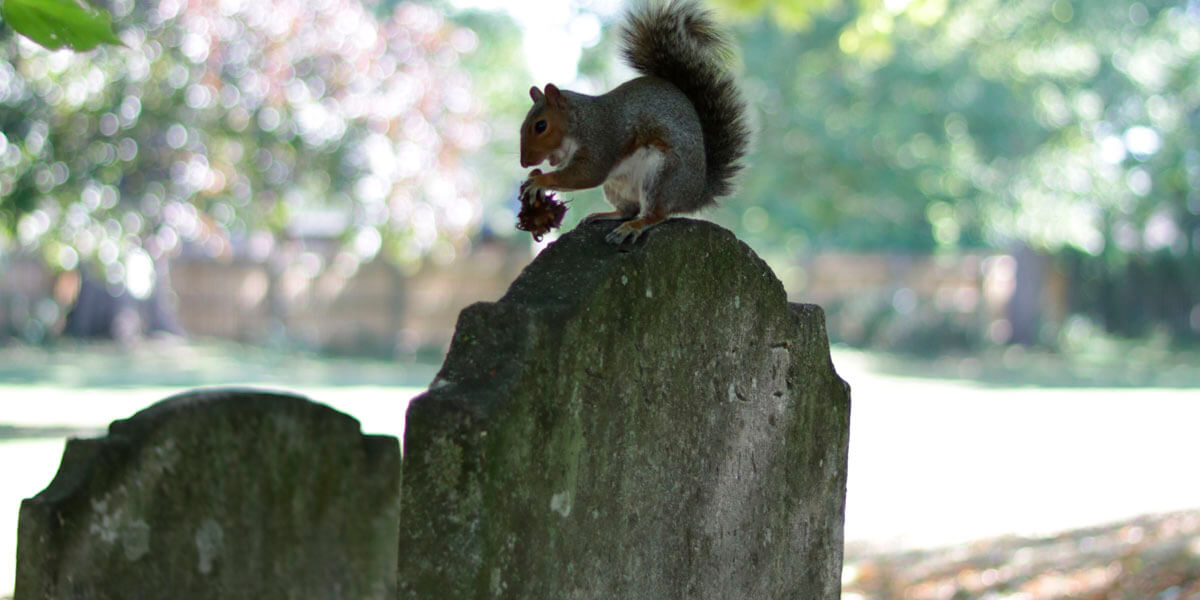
1121 365
176 364
77 388
1098 363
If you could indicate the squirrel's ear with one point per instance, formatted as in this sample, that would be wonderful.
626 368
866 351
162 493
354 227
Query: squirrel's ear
536 94
554 97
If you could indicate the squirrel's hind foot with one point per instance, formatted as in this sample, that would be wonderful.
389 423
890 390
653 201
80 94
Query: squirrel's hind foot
632 230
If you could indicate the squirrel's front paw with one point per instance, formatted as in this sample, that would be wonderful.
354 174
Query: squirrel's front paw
535 181
530 186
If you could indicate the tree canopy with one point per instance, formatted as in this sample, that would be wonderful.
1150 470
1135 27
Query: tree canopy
218 124
925 124
915 125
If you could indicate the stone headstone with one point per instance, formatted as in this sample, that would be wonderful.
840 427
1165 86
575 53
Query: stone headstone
651 423
217 494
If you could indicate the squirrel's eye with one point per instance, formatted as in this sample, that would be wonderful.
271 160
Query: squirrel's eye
540 126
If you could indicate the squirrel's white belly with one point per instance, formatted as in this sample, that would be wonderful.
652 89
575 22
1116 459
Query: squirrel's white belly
629 182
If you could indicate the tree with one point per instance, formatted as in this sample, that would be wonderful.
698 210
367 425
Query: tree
223 126
1067 127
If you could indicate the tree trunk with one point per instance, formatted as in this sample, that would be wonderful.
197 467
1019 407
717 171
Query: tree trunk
102 311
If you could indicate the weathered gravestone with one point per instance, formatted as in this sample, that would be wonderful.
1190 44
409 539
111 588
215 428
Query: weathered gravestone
217 494
658 423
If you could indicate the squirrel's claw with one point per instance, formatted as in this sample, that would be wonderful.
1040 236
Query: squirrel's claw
629 230
528 185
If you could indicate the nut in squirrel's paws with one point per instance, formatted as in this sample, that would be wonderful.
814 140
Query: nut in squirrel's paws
540 210
629 230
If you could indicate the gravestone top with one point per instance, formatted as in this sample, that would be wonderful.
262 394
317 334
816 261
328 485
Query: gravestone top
214 493
656 422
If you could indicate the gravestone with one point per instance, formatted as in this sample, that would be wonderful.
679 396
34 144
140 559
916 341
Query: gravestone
217 494
647 423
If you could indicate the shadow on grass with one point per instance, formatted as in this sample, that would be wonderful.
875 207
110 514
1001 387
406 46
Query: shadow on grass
1153 556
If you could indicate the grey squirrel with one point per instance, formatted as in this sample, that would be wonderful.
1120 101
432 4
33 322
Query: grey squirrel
665 143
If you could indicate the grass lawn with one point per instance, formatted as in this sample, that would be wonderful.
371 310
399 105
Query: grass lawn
968 448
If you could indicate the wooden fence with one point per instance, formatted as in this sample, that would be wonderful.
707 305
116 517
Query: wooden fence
378 308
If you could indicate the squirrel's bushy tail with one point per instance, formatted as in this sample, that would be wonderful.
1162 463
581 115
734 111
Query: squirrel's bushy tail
680 42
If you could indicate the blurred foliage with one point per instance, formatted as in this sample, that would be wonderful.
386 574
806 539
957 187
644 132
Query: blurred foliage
224 127
965 123
913 126
499 79
937 125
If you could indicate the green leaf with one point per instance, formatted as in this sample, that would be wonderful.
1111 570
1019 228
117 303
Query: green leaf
58 23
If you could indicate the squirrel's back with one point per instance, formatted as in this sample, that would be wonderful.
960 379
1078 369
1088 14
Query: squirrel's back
678 41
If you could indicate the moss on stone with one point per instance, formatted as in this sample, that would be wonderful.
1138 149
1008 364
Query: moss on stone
649 423
217 493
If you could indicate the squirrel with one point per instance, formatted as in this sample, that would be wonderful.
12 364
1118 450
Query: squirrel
664 143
